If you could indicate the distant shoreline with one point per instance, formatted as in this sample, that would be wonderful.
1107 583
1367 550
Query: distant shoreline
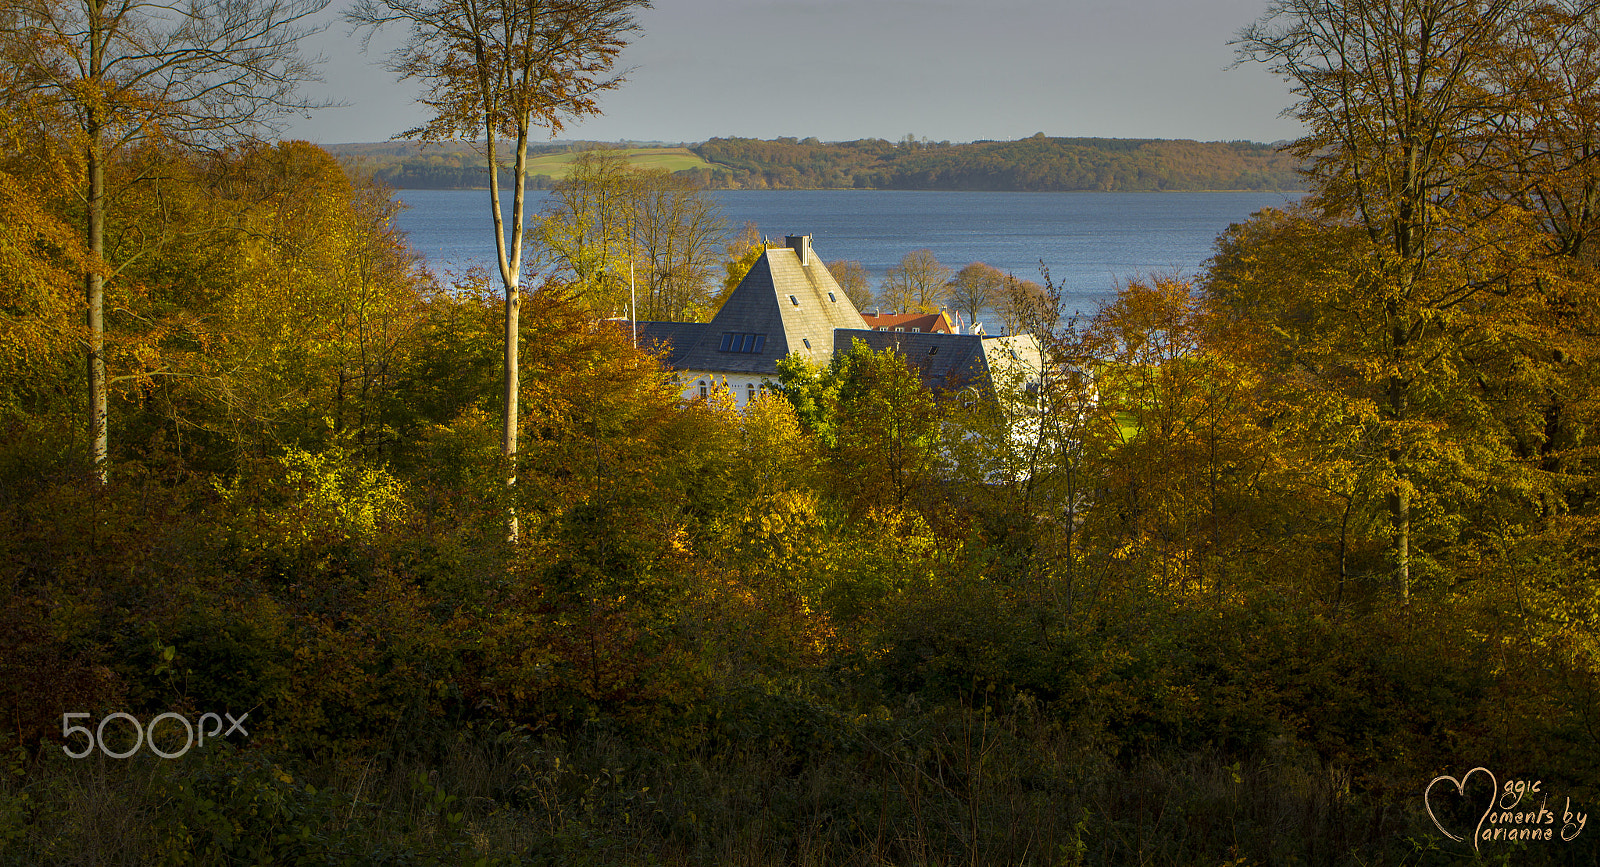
1035 164
1289 192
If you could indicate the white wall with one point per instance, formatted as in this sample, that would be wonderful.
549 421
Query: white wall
736 384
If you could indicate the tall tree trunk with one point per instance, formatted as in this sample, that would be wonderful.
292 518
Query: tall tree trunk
95 298
94 281
1400 497
510 261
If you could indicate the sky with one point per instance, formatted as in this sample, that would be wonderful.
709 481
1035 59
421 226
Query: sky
945 70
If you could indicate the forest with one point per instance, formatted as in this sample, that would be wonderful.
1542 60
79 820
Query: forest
1037 164
1292 561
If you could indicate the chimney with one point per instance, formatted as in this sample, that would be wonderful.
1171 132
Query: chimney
801 245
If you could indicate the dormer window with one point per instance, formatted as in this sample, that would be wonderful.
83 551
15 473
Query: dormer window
915 330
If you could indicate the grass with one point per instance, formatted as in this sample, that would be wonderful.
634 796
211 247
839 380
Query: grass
671 159
954 786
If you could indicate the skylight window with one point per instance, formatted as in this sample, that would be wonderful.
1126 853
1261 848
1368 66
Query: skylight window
794 300
806 341
833 299
735 342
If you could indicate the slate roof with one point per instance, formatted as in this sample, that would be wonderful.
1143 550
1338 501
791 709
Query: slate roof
789 298
947 362
786 301
674 337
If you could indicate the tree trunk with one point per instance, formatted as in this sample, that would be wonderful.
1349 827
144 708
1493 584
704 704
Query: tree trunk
95 298
1400 497
94 281
511 279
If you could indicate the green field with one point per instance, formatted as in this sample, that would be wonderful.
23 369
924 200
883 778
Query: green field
671 159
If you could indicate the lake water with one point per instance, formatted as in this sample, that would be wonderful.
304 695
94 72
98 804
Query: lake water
1091 242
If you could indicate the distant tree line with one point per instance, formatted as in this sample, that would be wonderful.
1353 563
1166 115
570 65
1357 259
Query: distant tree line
434 171
1036 164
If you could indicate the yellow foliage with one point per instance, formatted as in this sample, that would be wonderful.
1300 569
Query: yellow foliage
323 496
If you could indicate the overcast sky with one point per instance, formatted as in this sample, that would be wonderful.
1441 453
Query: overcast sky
956 70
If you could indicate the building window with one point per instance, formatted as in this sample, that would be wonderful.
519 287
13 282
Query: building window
899 328
732 342
933 350
915 330
833 299
702 388
750 390
806 341
795 301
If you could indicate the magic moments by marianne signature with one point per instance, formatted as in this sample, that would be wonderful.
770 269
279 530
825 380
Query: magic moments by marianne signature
1506 816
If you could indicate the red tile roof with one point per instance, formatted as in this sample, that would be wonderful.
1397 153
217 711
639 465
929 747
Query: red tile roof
927 323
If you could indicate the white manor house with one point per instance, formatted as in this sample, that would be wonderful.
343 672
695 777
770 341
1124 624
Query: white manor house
788 302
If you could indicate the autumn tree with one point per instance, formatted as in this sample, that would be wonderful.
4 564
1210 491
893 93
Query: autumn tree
1026 307
741 253
852 278
318 333
1403 110
197 72
584 228
608 222
887 429
917 283
1552 62
676 233
975 288
40 257
499 69
1288 290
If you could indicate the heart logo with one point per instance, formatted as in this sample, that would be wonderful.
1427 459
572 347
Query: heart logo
1452 808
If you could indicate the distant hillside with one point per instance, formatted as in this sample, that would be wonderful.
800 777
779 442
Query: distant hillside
1039 163
459 165
1034 164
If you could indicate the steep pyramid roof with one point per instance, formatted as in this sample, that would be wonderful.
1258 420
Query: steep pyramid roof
789 300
